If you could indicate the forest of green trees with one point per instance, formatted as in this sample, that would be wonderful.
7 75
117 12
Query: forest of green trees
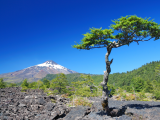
145 79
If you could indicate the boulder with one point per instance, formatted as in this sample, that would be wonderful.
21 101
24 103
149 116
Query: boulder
36 105
31 104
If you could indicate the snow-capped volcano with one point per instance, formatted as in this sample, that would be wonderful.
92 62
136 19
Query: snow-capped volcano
37 72
51 64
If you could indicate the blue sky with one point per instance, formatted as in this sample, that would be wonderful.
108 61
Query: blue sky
34 31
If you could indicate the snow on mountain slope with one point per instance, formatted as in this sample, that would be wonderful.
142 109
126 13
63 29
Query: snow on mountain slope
51 65
36 72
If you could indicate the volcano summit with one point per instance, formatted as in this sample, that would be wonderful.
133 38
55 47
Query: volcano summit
36 72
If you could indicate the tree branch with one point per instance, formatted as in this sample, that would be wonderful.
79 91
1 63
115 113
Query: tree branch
115 45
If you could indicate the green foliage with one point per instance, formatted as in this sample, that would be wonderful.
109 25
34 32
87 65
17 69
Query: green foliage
146 71
97 79
70 77
138 84
129 27
120 90
85 87
19 83
130 97
87 80
11 85
49 77
24 88
134 24
59 84
83 91
157 95
53 101
123 80
25 84
157 72
141 96
148 86
33 85
49 92
2 83
79 101
39 85
129 89
46 83
156 89
111 87
96 37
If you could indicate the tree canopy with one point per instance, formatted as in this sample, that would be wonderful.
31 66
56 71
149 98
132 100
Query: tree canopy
59 83
2 83
25 83
131 28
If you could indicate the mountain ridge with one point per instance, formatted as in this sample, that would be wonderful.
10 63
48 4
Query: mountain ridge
145 72
36 72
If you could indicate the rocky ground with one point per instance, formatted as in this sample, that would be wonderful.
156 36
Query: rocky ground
36 105
126 110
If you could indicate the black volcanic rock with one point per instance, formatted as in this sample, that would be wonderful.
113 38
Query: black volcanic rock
31 105
36 105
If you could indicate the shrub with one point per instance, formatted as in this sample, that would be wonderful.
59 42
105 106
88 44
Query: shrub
130 97
78 101
65 95
156 94
52 100
24 88
25 83
120 90
84 92
148 86
2 83
119 98
49 92
141 96
129 89
11 85
113 89
138 83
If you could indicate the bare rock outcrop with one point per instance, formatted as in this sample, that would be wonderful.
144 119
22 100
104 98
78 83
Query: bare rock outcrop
31 105
36 105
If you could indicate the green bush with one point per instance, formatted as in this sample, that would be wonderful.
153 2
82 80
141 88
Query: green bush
138 84
84 92
24 88
141 96
148 86
2 84
130 97
113 89
25 84
11 85
129 89
156 94
46 83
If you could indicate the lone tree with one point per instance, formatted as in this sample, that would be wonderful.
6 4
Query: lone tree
131 28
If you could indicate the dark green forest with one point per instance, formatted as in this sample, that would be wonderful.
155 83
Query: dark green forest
74 77
146 72
145 79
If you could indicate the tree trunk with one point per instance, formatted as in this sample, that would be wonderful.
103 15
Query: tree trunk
105 92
